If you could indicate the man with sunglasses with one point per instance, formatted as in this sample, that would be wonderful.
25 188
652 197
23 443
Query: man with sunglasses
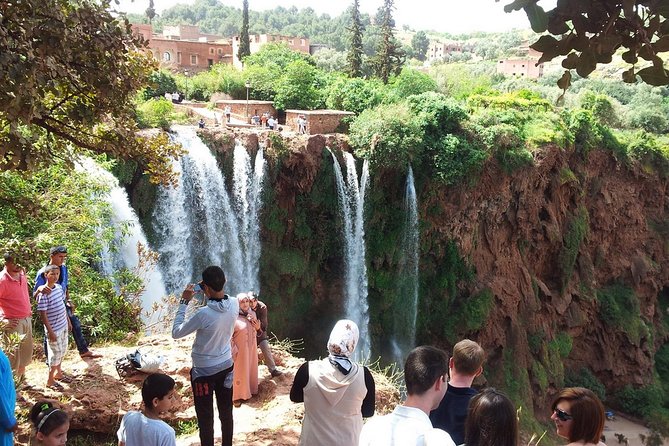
261 313
213 325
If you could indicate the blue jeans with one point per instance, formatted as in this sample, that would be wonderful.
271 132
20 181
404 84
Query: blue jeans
79 339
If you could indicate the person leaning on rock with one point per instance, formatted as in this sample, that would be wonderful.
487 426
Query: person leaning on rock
263 342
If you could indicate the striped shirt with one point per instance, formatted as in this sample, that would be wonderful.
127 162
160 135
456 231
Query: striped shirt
54 305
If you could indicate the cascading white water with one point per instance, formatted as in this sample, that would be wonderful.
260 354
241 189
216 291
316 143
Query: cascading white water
351 194
128 234
199 223
406 303
247 187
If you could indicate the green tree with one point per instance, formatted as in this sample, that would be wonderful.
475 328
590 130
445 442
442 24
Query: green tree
69 73
150 11
592 31
161 82
389 56
410 82
300 87
355 50
244 44
419 44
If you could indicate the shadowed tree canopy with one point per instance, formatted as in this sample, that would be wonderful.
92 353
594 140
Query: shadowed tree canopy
589 32
69 70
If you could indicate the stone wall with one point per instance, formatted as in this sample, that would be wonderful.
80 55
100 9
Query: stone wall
318 121
238 108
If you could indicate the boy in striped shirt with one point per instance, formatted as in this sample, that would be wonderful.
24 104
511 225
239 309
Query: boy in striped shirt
51 308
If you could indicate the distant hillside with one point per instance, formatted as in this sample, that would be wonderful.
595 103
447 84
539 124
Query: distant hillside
216 18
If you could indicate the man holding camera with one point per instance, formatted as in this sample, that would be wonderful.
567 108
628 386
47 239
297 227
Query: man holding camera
211 373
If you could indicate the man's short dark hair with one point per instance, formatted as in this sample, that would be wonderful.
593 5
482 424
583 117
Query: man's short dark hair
424 365
58 250
9 257
214 277
156 385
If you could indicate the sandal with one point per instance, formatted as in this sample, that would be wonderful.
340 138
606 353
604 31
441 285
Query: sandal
56 387
65 378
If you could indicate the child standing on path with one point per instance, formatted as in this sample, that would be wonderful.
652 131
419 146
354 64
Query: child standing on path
51 308
145 428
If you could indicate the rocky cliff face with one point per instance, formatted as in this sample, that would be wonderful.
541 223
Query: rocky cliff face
559 270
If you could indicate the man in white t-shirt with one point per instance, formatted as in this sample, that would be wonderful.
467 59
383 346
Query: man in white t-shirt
426 377
145 428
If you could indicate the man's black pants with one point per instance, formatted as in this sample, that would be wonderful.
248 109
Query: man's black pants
204 388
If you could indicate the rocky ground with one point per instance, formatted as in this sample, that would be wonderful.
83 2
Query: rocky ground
97 398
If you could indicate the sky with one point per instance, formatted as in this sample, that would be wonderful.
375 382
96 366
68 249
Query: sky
452 16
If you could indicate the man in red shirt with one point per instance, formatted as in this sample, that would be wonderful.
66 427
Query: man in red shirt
16 312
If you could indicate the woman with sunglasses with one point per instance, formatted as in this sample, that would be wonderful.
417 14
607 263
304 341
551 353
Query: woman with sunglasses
579 416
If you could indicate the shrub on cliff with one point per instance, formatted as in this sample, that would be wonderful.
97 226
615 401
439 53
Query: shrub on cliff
354 94
388 136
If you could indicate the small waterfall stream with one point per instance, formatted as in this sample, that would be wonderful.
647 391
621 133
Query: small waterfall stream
406 300
351 194
201 223
122 253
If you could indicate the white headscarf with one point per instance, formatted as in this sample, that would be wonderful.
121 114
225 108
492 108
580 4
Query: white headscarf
341 345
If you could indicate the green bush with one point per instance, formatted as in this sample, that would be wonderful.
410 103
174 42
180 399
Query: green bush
641 401
300 87
563 344
354 94
523 100
586 130
619 308
388 136
476 309
577 230
456 159
646 149
161 82
437 114
601 107
409 82
155 113
585 378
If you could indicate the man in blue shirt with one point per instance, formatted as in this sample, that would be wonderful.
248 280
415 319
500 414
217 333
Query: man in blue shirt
58 254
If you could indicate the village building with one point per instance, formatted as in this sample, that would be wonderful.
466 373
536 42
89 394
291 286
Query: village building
438 50
522 65
184 48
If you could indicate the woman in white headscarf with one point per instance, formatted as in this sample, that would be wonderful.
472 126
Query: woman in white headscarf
337 392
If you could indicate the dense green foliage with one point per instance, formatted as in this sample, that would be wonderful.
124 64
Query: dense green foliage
576 232
619 309
355 49
585 378
57 205
69 72
160 82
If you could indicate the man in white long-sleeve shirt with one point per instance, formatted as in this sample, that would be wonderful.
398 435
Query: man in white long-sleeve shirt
426 377
213 326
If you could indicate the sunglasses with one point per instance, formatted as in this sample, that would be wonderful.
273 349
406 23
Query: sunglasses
562 415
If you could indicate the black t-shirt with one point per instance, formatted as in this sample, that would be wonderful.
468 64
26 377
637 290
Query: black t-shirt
452 412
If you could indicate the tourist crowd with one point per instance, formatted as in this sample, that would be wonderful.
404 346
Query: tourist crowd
441 406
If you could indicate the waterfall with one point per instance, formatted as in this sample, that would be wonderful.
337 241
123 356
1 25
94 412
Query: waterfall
351 194
200 223
406 301
128 233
